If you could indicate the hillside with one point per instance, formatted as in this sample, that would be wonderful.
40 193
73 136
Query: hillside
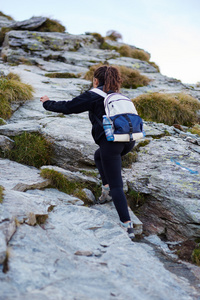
56 242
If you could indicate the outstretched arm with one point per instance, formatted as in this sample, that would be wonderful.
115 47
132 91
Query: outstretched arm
76 105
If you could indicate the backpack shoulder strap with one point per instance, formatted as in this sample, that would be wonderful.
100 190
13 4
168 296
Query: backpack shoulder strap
99 92
103 94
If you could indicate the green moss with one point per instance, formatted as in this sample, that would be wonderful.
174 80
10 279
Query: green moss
129 159
89 173
71 187
12 89
106 46
168 108
62 75
51 26
30 149
141 144
132 156
196 256
1 193
98 37
39 38
135 199
2 122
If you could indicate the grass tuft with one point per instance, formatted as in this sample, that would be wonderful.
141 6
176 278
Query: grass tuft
12 89
132 78
30 149
2 122
168 108
195 129
129 159
196 256
62 75
127 51
51 26
6 16
1 193
71 187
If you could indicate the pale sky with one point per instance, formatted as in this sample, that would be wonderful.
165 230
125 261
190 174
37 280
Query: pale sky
168 29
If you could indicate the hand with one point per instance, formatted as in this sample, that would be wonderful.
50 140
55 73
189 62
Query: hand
44 98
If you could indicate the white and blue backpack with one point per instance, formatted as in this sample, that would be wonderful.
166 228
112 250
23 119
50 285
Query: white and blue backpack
126 124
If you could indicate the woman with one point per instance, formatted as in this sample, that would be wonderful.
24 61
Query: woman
108 156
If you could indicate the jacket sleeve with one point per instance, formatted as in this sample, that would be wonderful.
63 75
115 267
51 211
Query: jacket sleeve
75 106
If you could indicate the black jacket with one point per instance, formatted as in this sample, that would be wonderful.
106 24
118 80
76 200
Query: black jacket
88 101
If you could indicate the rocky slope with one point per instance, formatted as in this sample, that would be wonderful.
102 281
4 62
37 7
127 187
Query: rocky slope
51 243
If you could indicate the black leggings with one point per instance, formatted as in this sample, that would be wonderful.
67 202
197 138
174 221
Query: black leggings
108 162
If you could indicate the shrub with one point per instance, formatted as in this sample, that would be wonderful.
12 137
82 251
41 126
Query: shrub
51 26
62 75
31 149
12 89
1 193
127 51
130 78
167 108
113 35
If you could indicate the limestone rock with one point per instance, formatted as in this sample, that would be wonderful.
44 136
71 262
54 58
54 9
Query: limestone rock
121 269
72 176
4 22
3 248
6 143
133 63
44 228
8 228
37 43
167 172
90 196
13 174
30 24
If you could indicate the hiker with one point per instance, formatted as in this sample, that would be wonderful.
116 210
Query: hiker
108 155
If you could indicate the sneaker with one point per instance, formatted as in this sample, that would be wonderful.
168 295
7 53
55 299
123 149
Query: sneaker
129 229
105 196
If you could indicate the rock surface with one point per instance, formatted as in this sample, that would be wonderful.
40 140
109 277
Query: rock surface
54 247
79 252
30 24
